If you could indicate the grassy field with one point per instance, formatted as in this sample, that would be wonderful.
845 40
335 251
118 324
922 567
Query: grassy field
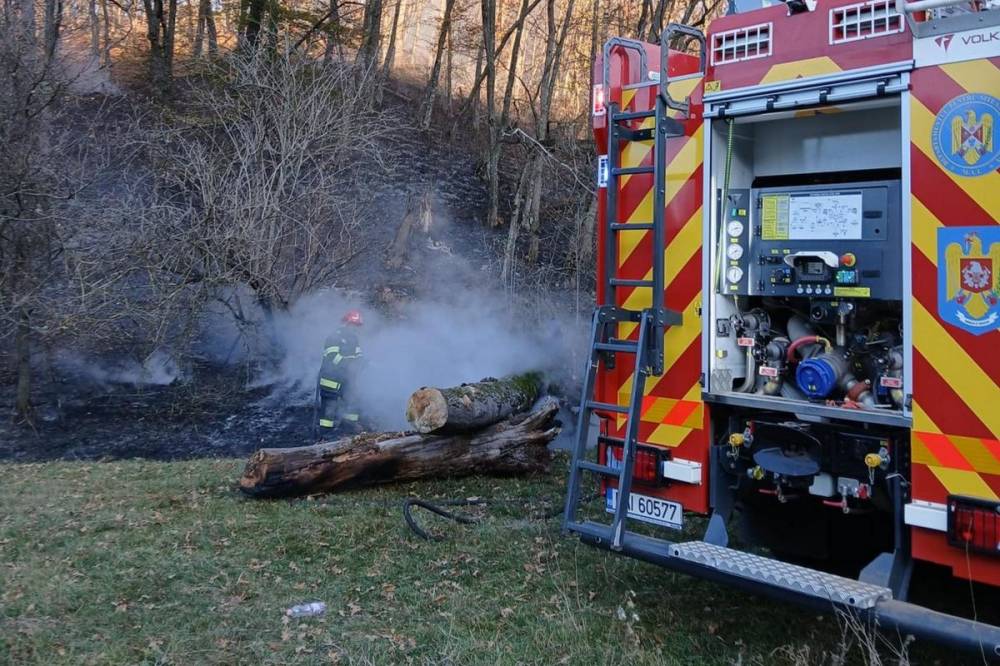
166 563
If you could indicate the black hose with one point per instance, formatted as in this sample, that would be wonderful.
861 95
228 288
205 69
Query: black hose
411 502
433 508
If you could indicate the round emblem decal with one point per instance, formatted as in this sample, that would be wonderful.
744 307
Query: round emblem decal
964 135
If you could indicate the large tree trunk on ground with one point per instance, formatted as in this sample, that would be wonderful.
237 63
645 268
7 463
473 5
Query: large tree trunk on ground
471 406
516 446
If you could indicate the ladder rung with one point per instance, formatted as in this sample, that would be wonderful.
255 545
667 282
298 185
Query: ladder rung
635 135
617 282
607 406
633 115
632 226
627 347
630 171
598 469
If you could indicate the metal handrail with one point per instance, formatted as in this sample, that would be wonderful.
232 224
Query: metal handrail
627 44
665 38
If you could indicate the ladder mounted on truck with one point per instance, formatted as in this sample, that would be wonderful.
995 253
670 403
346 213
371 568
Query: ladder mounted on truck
652 321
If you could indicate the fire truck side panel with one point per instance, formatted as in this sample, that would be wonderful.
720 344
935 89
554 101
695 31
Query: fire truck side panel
673 415
955 201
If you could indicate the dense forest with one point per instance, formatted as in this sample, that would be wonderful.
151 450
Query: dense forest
162 157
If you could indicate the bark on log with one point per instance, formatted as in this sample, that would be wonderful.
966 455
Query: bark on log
470 407
515 446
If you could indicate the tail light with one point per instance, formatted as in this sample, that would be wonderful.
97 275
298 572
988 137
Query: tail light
598 99
974 524
648 466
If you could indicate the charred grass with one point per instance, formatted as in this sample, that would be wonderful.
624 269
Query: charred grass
166 563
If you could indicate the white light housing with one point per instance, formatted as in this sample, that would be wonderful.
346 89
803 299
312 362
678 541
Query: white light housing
602 171
599 108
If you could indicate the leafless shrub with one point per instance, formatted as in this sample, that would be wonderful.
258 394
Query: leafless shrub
260 187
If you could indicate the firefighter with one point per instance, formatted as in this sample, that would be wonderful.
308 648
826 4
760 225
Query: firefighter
336 409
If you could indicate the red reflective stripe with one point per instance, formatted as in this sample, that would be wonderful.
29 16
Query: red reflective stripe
946 453
680 412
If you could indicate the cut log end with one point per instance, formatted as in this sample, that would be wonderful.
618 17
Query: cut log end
471 407
427 410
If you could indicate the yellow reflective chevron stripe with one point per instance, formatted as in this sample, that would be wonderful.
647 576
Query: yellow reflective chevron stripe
331 350
325 423
352 417
329 383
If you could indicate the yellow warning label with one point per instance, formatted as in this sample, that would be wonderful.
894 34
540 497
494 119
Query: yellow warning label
713 86
852 292
774 217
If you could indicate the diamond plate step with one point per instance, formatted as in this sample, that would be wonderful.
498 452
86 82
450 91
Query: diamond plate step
781 574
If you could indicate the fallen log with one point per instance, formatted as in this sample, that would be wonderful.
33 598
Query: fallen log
514 446
470 407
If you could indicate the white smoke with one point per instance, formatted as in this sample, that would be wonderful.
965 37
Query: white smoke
429 343
158 369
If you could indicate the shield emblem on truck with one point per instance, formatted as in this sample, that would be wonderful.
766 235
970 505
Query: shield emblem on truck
968 282
964 135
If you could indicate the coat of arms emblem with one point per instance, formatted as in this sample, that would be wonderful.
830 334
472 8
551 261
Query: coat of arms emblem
964 135
968 279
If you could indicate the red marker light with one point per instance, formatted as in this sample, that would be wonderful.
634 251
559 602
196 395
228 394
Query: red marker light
598 99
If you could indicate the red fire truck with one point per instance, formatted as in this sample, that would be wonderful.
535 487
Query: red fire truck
799 303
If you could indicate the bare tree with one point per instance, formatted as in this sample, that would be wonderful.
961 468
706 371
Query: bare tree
206 26
481 73
528 198
390 52
371 35
161 23
430 94
489 13
333 29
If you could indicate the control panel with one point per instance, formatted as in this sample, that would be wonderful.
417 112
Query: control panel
839 241
736 233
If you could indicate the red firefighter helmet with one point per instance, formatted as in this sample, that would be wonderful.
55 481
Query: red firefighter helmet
353 317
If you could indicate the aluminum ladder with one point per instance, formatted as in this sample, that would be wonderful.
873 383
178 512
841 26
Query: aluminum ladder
653 321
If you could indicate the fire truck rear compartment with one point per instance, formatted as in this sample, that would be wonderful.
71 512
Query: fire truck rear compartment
805 337
806 267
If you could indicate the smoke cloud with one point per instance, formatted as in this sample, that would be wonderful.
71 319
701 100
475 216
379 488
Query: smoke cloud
157 369
429 343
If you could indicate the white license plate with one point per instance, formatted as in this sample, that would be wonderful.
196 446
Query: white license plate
648 509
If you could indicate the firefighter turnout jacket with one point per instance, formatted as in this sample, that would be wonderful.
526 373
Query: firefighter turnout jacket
337 377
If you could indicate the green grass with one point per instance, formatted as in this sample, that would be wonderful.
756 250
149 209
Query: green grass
166 563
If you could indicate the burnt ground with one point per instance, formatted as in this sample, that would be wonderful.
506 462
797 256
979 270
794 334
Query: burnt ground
210 413
204 418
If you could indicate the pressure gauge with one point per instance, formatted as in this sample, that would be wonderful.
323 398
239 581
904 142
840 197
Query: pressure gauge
734 251
735 228
734 274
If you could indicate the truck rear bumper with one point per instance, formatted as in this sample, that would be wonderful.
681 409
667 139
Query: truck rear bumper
814 589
